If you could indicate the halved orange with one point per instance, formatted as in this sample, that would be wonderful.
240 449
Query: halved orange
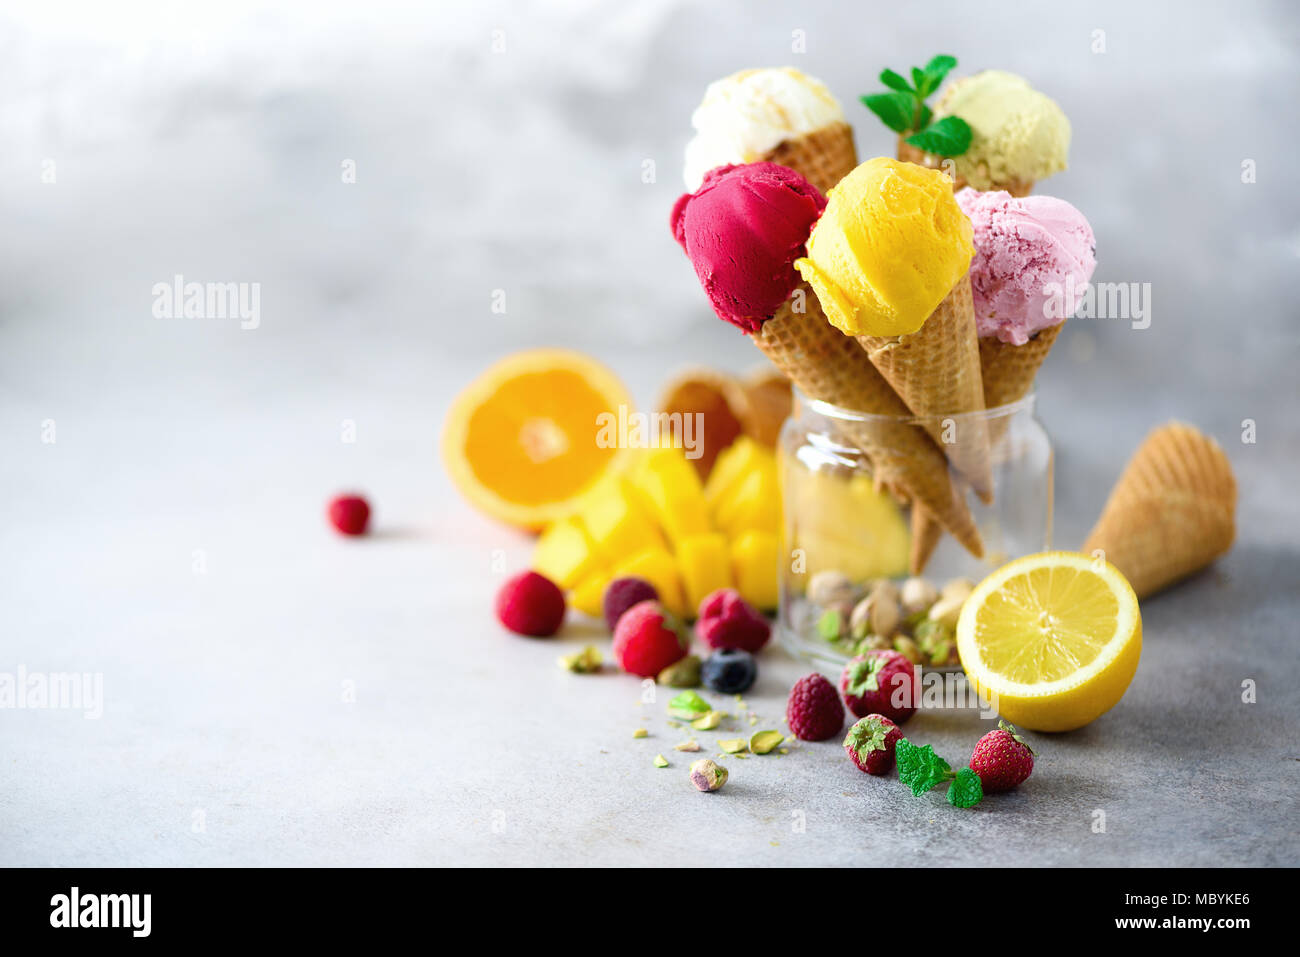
523 442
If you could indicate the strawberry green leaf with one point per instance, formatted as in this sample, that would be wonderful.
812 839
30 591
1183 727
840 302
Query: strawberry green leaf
894 109
950 136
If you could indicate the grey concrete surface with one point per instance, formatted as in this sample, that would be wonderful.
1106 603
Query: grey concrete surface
272 695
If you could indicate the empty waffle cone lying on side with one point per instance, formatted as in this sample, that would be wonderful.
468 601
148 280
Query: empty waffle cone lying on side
1171 513
822 157
827 365
911 154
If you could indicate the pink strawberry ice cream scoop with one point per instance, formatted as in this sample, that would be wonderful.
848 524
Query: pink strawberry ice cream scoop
1033 257
742 230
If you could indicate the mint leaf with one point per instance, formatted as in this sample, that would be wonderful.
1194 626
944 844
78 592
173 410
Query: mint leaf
920 768
918 80
949 137
894 81
896 110
965 790
935 71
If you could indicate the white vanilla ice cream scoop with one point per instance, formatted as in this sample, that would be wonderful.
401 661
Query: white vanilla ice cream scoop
748 114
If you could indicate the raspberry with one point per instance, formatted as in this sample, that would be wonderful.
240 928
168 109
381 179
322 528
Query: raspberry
881 682
871 742
648 639
621 594
728 621
531 604
1002 759
350 514
814 711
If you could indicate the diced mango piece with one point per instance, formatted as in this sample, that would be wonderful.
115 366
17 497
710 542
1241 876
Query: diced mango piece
734 462
844 524
754 505
618 524
673 489
755 563
705 565
588 596
565 552
657 566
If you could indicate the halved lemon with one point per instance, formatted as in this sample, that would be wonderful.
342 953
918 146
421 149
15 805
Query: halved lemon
1052 639
529 438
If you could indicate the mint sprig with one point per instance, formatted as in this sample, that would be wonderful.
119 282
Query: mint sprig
922 770
904 109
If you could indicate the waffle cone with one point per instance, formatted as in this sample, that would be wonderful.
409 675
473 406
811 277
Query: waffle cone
926 533
910 154
718 399
1171 513
936 371
1008 373
822 157
827 365
768 404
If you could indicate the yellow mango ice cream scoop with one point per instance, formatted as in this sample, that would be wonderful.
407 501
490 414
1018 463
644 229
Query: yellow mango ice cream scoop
888 249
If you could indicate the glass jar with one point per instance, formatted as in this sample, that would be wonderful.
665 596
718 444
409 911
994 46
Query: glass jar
844 535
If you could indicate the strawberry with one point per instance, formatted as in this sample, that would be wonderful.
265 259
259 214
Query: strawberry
1002 759
881 682
871 742
814 711
648 639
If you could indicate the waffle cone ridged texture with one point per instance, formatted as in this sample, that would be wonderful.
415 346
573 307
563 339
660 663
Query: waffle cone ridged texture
911 154
936 371
827 365
822 157
1172 512
1008 372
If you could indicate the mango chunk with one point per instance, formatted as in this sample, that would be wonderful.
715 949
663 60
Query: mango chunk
753 505
705 565
657 566
734 463
588 596
618 525
672 487
755 563
565 552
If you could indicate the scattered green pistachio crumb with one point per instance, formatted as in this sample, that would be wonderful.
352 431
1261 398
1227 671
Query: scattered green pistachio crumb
661 761
762 742
688 706
734 745
640 733
782 750
585 662
691 745
709 721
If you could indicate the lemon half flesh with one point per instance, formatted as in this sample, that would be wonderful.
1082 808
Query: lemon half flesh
1053 639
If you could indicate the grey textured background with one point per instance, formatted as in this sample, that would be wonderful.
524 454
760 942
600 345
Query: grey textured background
209 143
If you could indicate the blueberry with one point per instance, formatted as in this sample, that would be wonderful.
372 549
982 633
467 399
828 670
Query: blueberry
729 671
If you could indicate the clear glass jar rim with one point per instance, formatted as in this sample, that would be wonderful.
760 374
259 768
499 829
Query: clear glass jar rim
832 411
